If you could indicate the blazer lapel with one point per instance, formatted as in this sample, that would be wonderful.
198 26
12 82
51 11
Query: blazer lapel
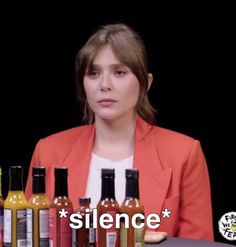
78 162
154 179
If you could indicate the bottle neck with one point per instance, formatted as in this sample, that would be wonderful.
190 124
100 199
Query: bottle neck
61 186
132 188
108 188
16 183
84 205
38 184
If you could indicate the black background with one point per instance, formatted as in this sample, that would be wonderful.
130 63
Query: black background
192 57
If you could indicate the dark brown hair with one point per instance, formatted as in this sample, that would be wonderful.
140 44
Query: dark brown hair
130 50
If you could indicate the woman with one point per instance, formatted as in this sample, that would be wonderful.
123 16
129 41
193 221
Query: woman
113 82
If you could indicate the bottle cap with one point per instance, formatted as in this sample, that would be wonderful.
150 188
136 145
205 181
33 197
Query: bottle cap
108 172
132 173
83 200
15 171
39 171
60 171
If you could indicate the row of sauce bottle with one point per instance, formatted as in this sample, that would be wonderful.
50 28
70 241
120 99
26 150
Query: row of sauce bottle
37 223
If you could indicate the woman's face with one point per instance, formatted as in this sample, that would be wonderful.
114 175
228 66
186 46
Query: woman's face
112 90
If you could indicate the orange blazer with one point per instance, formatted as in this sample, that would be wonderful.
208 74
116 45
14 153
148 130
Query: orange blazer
173 174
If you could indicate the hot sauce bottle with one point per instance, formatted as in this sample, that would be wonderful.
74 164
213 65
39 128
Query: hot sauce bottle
60 211
15 207
132 205
84 236
108 204
38 211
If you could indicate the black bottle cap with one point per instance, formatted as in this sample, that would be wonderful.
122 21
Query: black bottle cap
108 172
60 171
132 173
39 171
15 171
16 175
84 200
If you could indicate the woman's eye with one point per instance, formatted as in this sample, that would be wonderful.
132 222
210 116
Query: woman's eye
119 72
93 73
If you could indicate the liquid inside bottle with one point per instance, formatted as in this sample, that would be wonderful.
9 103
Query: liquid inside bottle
38 211
59 228
108 204
131 205
86 235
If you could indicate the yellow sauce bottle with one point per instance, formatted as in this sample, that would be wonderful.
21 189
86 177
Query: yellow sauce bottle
38 211
15 211
1 209
132 205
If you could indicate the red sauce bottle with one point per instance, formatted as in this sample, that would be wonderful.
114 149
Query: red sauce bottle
108 204
59 228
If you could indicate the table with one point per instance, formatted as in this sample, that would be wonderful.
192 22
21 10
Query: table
182 242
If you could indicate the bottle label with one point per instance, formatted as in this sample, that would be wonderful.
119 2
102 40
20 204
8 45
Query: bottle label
53 226
7 225
60 229
66 232
92 235
21 224
1 225
123 235
139 234
112 233
30 225
131 235
74 237
43 227
43 215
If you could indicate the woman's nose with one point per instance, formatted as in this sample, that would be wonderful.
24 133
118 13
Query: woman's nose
106 83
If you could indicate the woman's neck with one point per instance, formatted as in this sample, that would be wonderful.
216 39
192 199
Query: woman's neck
114 140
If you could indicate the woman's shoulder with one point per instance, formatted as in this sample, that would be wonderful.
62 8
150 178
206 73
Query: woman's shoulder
173 139
176 148
66 138
173 135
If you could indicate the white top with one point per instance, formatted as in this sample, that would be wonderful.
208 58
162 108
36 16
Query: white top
93 189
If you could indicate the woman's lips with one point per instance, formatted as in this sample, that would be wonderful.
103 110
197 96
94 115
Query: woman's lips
106 102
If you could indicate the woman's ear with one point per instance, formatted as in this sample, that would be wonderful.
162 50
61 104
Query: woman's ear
150 79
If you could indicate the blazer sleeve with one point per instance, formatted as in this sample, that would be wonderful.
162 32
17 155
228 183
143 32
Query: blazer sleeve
195 209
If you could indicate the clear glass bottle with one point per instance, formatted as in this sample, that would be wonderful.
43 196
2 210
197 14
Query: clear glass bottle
108 204
59 228
84 237
38 211
132 205
15 207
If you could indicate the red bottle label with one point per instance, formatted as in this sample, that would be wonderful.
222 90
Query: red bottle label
60 230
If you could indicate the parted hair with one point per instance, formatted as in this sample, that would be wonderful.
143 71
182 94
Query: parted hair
129 48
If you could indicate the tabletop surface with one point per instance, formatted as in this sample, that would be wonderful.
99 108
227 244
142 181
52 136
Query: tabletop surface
181 242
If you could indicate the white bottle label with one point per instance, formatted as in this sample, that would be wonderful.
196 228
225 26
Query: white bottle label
7 226
44 224
30 227
21 228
